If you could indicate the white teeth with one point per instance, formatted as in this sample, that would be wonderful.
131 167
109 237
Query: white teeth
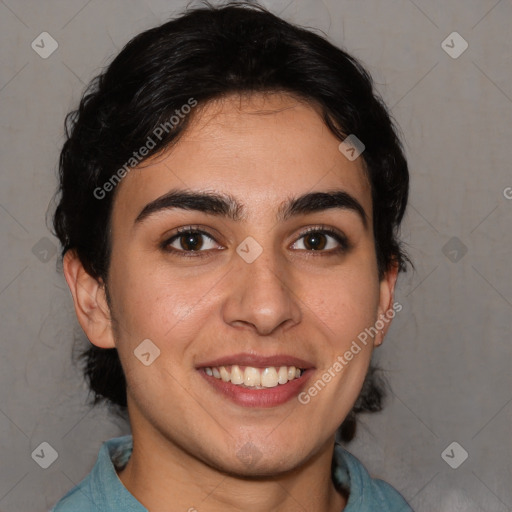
269 378
237 377
224 374
282 375
252 377
260 378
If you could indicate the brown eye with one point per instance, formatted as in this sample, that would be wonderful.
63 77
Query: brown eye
315 241
323 240
191 241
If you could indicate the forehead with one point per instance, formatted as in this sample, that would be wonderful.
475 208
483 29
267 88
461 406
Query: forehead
258 148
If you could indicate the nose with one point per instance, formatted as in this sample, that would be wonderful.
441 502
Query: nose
261 296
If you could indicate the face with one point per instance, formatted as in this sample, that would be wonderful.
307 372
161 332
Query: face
247 276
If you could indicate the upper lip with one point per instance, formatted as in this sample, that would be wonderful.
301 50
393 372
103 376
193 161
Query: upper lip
257 361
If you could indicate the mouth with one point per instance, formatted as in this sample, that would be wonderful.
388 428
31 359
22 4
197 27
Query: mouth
257 381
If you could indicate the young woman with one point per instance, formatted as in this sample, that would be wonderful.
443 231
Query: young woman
230 193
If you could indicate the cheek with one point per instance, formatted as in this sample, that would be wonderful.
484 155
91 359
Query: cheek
346 302
151 303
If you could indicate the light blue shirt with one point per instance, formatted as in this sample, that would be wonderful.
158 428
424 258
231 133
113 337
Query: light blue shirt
102 490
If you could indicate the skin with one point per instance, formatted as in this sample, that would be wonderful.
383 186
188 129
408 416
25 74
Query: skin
291 299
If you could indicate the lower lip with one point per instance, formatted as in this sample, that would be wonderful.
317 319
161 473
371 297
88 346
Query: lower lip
269 397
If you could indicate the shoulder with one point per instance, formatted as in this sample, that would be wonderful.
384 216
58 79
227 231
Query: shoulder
365 493
78 499
101 490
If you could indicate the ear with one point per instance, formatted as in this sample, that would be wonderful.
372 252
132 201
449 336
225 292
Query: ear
386 312
90 302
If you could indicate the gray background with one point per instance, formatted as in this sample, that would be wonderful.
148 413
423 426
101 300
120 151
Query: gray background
448 354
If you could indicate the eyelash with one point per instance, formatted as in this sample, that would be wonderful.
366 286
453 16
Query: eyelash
342 240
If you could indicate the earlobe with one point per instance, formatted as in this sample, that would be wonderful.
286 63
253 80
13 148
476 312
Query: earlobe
387 293
90 302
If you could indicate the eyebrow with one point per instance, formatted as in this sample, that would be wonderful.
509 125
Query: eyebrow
225 205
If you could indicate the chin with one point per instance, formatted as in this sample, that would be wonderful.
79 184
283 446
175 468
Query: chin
261 458
260 467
